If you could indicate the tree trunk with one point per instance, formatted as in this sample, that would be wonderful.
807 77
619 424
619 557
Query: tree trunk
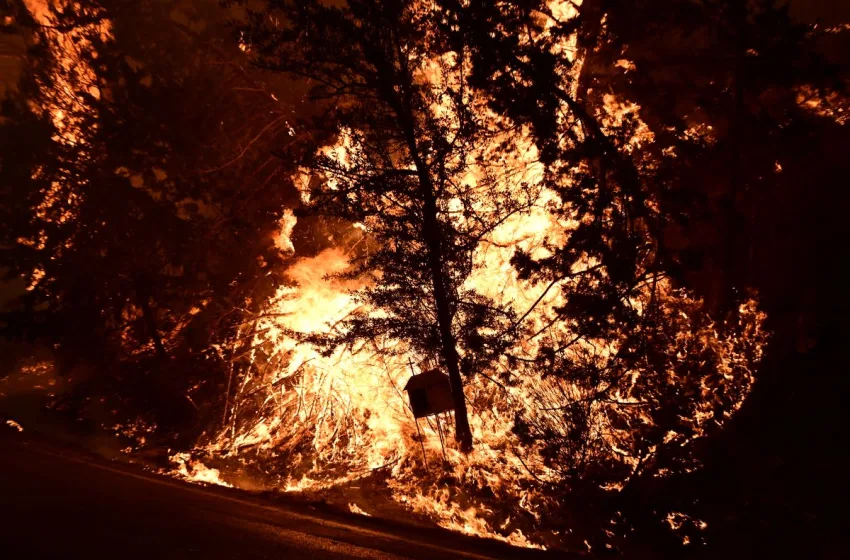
431 234
592 13
433 242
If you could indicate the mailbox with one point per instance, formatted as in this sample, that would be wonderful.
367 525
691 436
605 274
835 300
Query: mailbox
429 393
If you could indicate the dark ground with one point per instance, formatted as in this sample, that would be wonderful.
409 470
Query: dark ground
60 503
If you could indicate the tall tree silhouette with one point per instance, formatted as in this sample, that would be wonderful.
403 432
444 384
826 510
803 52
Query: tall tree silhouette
406 120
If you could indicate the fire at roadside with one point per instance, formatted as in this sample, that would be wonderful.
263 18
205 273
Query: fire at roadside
339 428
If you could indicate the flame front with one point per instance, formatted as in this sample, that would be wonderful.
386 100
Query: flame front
319 421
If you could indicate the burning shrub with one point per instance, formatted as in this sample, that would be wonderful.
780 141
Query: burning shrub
609 412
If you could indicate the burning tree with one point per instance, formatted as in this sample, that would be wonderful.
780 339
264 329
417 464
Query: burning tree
136 239
410 168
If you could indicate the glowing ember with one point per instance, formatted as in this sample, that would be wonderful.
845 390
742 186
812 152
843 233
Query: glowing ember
12 424
195 471
353 508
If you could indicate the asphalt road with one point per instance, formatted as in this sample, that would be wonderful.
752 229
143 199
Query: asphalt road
59 503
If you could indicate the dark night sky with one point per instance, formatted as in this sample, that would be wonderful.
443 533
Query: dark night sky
830 12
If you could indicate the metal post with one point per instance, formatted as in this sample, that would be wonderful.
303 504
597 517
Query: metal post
421 442
416 420
442 444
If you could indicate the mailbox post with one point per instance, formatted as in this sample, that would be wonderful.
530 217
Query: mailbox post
430 394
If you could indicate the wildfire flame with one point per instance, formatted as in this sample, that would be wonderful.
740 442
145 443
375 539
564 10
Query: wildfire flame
333 419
